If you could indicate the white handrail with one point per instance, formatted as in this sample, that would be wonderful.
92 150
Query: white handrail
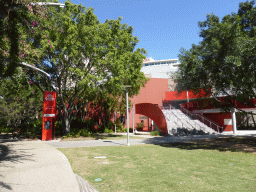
202 118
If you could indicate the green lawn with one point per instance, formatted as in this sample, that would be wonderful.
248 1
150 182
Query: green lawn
192 166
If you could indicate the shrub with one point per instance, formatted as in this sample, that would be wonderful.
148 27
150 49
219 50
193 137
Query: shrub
119 127
85 133
109 125
4 128
58 128
139 126
108 131
154 133
34 127
125 130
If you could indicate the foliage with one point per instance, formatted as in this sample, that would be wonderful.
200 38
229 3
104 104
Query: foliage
224 61
87 60
17 21
4 128
58 128
154 133
139 126
84 132
119 127
21 101
108 131
125 130
35 127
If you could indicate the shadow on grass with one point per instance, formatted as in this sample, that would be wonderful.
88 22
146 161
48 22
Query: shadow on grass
7 154
233 144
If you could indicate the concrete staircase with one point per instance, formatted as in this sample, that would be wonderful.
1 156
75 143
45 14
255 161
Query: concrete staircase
179 123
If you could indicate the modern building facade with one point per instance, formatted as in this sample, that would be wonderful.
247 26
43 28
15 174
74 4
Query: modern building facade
159 72
160 91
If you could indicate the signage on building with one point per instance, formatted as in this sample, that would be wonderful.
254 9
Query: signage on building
144 117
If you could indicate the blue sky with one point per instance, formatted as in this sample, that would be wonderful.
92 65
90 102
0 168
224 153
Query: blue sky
162 26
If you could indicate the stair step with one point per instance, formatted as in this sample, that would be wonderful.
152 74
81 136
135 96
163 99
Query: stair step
176 120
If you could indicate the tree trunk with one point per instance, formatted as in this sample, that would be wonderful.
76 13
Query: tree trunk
65 121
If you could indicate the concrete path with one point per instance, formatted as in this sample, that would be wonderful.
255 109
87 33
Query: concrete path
149 140
34 166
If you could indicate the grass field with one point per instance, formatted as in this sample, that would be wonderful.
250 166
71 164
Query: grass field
226 164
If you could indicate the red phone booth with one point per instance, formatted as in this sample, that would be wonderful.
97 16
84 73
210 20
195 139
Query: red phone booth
49 113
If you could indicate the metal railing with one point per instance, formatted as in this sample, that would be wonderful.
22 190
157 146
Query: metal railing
203 119
180 120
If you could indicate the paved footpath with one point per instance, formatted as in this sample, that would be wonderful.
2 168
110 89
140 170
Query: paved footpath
34 166
149 140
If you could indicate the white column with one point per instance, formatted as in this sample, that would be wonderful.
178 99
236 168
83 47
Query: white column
133 119
233 114
187 97
127 114
115 121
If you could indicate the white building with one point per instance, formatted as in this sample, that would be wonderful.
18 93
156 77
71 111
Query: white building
159 68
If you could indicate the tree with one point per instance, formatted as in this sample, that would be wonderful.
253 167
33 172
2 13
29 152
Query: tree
21 101
16 18
224 62
85 58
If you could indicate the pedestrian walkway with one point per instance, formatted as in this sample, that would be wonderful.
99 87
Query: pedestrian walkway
34 166
148 140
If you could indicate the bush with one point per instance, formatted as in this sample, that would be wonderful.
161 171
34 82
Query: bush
58 128
34 127
85 133
4 128
119 127
125 130
139 126
108 131
154 133
109 125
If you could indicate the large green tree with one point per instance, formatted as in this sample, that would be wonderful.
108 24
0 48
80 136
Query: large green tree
224 62
20 101
85 58
17 21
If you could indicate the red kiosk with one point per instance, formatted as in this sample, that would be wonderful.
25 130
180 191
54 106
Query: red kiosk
49 113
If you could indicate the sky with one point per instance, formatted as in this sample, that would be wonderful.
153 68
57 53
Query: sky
162 26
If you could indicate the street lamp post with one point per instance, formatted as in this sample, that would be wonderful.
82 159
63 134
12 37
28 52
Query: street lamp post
127 113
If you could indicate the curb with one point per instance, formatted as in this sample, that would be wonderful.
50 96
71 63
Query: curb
84 185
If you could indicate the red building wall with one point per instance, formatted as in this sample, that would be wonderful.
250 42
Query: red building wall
219 118
153 92
175 95
155 113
